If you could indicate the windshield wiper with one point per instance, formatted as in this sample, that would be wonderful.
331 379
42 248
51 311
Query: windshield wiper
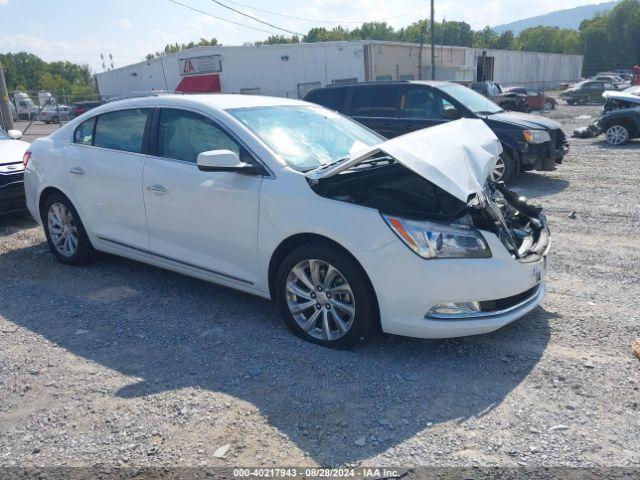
324 166
486 112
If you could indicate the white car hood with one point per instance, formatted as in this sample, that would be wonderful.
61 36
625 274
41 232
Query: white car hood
11 152
456 156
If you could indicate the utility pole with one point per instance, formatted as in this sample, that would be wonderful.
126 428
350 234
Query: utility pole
433 42
6 119
422 29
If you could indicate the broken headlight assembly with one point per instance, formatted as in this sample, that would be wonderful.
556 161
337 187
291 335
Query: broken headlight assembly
536 136
435 240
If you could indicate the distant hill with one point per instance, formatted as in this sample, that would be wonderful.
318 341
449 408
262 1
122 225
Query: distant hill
569 18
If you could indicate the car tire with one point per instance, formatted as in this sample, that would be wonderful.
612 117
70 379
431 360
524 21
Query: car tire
505 169
548 105
54 120
341 311
617 134
571 102
65 233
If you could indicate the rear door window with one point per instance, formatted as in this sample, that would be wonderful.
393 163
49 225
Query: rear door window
332 98
377 101
121 130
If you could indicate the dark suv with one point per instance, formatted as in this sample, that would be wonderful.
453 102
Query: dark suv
394 108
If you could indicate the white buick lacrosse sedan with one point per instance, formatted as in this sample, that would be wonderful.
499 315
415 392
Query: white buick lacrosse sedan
348 232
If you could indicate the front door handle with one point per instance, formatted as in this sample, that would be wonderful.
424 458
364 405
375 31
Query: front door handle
77 171
157 189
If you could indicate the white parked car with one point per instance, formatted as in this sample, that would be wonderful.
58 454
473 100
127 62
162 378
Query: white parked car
54 114
12 151
349 233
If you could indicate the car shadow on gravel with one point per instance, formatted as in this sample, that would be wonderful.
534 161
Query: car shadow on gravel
632 145
173 332
538 185
15 221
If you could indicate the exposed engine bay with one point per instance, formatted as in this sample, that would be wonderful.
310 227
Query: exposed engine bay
390 187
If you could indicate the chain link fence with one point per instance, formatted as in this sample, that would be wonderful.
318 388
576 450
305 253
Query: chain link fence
40 113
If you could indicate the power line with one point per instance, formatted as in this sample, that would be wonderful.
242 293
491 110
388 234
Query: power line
256 19
223 19
313 20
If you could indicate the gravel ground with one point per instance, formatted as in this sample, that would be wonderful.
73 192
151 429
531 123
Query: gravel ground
124 364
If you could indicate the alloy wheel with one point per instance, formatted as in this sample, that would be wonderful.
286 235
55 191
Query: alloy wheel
62 229
498 171
617 135
320 300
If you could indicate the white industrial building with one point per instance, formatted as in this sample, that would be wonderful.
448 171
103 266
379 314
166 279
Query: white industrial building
291 70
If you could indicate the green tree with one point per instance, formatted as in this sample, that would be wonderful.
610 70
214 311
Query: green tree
178 47
612 40
277 39
485 38
506 41
321 34
374 31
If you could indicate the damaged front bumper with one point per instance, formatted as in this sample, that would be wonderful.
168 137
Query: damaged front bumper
544 156
454 297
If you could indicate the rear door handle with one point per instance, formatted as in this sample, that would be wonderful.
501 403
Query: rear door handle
77 171
157 189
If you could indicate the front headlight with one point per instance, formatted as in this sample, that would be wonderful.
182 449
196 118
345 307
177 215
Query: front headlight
536 136
436 240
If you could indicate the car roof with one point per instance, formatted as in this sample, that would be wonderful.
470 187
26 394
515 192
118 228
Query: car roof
218 101
433 83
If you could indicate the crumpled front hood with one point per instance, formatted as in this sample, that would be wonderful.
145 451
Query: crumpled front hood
456 156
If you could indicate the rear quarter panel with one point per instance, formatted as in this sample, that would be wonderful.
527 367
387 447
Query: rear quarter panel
46 168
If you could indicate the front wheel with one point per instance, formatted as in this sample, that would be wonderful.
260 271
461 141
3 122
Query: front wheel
617 135
65 232
504 170
325 297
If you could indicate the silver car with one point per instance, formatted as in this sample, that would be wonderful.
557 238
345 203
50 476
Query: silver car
55 114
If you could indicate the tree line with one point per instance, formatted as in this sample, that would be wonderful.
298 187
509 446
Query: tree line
28 72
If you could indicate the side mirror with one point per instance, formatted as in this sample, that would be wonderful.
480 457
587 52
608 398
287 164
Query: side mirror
451 114
225 161
15 134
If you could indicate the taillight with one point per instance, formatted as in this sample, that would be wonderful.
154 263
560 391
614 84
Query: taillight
25 158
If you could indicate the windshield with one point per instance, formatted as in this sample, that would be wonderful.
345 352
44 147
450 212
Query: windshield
470 99
307 137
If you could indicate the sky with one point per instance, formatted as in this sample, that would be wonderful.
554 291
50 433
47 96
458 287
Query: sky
80 30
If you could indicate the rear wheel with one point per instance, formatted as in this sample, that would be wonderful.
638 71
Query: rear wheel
325 297
65 233
617 134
